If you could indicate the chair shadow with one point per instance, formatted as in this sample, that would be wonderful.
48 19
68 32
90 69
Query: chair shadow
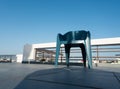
74 77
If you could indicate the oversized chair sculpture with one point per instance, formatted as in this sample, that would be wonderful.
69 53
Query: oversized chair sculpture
80 39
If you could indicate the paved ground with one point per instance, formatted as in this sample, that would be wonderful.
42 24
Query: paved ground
38 76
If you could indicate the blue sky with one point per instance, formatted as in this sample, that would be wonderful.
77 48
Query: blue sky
39 21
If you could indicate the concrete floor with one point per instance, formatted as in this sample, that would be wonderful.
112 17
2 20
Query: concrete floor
40 76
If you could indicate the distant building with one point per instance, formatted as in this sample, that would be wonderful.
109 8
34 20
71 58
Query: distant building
7 58
118 58
35 52
11 58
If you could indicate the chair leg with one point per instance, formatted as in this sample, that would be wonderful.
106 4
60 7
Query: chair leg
89 58
89 53
57 53
67 52
83 54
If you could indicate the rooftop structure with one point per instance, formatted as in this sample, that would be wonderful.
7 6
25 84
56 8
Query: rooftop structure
98 45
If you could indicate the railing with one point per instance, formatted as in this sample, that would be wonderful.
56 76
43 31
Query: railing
101 53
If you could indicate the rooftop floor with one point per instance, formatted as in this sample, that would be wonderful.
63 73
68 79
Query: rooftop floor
42 76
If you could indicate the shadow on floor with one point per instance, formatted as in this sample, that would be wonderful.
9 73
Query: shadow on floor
74 77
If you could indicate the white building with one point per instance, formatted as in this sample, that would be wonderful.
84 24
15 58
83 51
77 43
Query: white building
19 58
30 53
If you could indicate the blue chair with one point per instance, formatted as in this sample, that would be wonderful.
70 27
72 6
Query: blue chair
70 39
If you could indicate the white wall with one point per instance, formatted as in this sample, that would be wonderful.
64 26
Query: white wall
19 58
28 52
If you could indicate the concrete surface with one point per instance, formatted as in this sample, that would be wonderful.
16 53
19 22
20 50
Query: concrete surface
38 76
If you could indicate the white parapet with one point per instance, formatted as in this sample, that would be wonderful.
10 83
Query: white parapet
106 41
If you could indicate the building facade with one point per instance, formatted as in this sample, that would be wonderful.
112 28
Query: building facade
102 49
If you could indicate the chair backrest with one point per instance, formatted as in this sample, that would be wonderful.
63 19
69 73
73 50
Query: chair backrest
67 36
73 35
80 35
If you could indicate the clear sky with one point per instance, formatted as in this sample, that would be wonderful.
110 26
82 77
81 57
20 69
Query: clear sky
39 21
